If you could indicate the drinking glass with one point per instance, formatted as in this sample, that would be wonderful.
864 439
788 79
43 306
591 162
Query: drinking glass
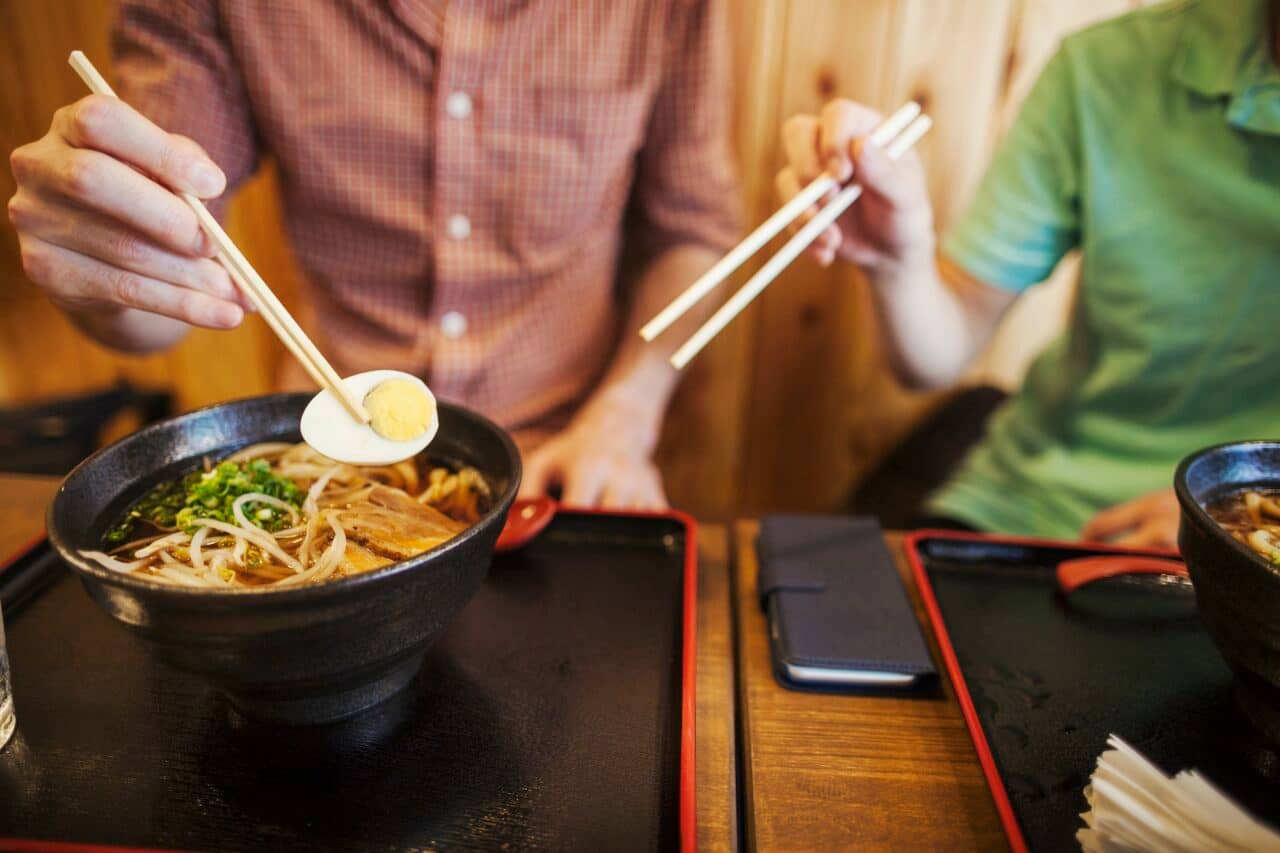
7 719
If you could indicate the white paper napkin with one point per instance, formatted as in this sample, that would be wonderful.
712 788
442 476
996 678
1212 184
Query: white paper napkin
1135 807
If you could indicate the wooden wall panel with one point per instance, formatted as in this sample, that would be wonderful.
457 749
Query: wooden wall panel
794 402
703 438
950 55
796 452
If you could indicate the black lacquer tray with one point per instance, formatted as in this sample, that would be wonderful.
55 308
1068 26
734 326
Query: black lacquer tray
1043 680
555 713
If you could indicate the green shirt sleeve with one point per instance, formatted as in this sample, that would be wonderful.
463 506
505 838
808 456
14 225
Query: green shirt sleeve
1026 214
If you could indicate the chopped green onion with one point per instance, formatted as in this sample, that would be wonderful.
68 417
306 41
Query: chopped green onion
181 503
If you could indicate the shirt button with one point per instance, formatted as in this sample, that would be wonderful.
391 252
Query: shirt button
458 105
453 325
459 227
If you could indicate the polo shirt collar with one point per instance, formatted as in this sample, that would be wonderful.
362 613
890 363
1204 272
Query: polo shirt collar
1225 51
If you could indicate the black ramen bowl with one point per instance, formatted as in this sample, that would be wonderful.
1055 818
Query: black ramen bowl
307 654
1237 591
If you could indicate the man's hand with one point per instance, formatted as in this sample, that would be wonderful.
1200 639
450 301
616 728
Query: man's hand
892 224
603 457
103 233
1150 521
935 316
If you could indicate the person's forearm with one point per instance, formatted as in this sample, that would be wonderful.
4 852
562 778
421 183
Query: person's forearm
935 319
640 378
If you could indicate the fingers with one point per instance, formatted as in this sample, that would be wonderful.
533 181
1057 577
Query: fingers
1155 533
97 182
1150 521
99 237
800 142
787 184
112 127
635 487
590 481
842 122
541 472
77 281
900 182
585 482
1114 521
822 250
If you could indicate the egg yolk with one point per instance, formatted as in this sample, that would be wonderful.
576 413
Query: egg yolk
398 410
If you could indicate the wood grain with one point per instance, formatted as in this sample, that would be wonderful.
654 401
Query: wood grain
796 452
830 772
23 501
715 760
705 432
950 55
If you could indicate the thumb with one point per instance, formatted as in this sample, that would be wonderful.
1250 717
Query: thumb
539 472
206 179
889 179
1152 534
1114 520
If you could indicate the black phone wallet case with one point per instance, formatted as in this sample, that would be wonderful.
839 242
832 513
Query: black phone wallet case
834 600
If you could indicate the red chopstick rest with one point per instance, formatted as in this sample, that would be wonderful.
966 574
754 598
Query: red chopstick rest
527 518
1073 574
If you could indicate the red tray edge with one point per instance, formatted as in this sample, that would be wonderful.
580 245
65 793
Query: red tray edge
1004 806
688 665
688 693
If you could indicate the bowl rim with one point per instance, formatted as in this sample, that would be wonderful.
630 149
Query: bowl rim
303 592
1197 512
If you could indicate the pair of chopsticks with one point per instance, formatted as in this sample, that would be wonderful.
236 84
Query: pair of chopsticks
896 135
247 279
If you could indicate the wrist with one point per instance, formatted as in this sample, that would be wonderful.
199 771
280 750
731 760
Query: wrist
631 405
912 269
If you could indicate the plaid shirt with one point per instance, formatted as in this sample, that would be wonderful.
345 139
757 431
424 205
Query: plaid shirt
456 174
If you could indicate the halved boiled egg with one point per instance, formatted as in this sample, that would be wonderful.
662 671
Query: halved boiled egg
403 419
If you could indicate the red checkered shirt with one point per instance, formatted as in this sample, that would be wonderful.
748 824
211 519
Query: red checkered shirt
456 174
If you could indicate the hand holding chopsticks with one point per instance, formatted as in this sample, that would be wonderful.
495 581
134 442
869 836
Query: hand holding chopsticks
896 134
247 279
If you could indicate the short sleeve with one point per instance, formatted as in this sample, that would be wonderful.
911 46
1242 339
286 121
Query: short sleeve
1026 214
173 64
686 182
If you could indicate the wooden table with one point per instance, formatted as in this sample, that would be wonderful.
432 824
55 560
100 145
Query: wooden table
23 501
819 771
831 772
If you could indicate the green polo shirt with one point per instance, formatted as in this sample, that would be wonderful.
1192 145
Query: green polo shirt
1152 143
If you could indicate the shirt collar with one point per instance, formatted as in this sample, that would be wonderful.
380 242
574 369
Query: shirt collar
1225 51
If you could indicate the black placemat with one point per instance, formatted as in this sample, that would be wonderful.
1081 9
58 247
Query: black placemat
1050 679
547 717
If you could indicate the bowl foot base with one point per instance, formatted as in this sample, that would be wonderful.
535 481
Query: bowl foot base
1262 714
327 704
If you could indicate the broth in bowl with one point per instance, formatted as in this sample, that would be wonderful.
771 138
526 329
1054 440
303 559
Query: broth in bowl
281 515
1251 516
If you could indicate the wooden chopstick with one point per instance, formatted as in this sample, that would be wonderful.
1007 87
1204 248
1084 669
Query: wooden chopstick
770 228
790 251
252 285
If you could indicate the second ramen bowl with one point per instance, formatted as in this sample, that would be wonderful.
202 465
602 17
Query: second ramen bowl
1237 591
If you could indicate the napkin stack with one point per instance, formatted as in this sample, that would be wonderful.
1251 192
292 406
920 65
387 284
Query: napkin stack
1135 807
